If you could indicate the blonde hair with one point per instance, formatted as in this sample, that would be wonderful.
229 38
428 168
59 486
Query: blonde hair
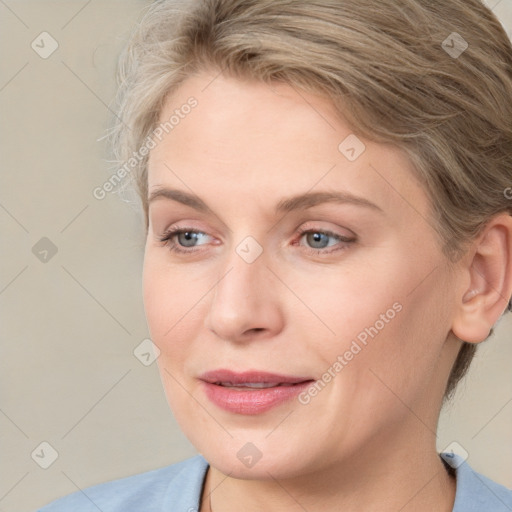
432 77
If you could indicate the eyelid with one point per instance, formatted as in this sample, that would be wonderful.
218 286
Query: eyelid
314 226
341 245
176 230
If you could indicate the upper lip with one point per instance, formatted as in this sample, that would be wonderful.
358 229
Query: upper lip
252 376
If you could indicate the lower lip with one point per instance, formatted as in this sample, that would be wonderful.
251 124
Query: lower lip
251 400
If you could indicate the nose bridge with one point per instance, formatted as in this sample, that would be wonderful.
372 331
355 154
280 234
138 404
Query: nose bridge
242 297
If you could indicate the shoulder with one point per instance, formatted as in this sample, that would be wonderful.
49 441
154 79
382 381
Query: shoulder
475 492
176 487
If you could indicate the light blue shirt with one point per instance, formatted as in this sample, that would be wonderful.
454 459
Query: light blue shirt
177 488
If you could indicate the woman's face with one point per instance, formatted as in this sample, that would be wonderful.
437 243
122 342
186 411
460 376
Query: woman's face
349 318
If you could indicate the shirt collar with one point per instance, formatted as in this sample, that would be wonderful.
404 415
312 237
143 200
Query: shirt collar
474 492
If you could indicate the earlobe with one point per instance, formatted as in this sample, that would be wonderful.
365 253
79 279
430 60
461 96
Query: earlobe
490 281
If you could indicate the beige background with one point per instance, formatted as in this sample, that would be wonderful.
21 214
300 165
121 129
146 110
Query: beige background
70 325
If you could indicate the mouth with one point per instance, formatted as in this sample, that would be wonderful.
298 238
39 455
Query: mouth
251 379
251 392
253 385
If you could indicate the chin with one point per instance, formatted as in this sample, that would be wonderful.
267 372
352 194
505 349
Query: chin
246 460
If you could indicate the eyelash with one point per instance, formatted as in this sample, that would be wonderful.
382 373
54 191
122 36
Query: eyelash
174 231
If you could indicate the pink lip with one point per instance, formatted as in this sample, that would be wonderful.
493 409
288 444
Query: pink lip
251 400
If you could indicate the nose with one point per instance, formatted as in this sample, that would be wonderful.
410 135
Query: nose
245 301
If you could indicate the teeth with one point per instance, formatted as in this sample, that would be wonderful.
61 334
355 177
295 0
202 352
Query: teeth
255 385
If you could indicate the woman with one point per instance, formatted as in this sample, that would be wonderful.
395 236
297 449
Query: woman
329 237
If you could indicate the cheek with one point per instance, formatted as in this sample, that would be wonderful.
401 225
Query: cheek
350 302
388 318
169 300
400 364
169 313
156 303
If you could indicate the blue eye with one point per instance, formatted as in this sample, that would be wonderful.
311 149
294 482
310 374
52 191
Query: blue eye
185 240
319 240
187 237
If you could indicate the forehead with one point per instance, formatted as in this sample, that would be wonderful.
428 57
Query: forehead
253 138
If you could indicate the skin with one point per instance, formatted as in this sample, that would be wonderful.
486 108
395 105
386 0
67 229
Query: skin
245 147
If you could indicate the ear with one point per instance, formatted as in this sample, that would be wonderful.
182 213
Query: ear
489 269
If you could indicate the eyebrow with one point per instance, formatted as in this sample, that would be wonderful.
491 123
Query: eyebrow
298 202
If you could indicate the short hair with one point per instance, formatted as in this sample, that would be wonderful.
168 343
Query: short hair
432 77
